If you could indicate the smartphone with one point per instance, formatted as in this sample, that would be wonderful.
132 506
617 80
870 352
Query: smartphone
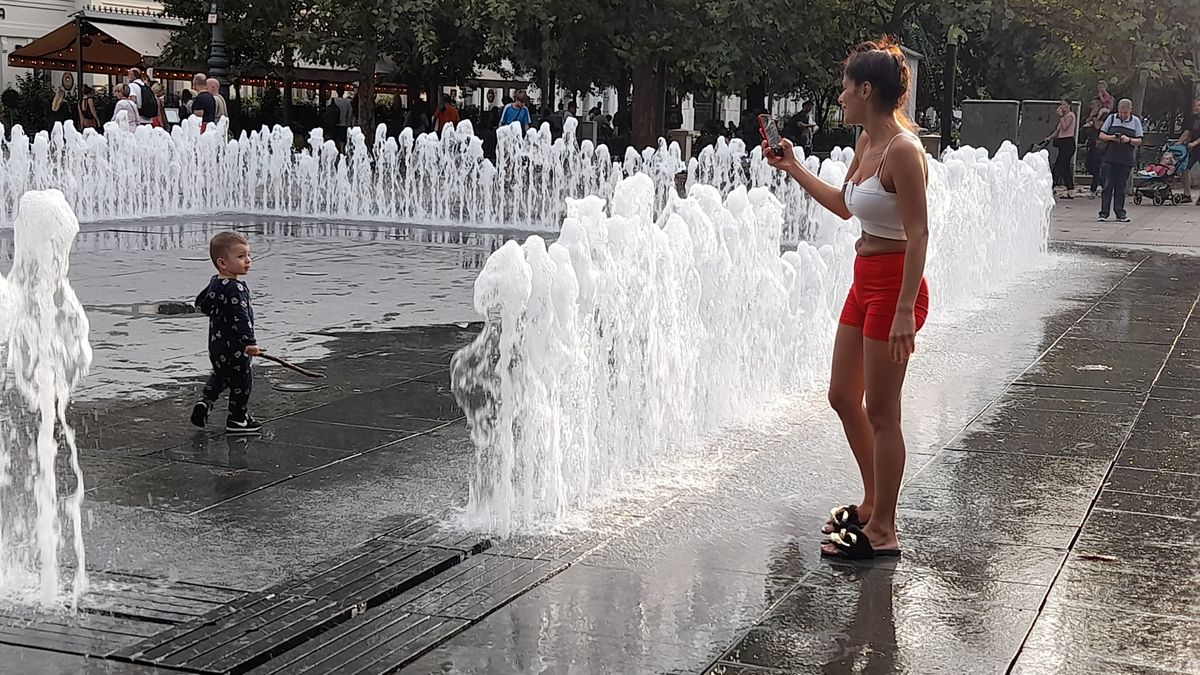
768 126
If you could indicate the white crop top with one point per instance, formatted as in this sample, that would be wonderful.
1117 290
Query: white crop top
876 209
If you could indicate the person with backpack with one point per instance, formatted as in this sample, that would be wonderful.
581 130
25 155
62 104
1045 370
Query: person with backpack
517 111
142 97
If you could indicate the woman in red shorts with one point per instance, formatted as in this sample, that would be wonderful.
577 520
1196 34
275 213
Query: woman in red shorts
888 301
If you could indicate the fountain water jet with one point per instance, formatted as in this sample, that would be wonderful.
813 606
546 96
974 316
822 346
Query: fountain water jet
44 354
617 348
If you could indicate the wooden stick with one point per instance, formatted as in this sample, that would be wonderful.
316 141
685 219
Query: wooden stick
289 366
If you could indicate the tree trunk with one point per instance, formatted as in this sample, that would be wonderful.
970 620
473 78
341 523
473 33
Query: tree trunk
547 82
660 100
1139 91
289 59
895 24
756 98
366 91
948 93
647 105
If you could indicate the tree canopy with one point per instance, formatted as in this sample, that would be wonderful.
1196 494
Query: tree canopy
1013 48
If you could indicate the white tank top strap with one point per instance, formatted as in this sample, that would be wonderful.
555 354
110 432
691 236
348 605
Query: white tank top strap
886 148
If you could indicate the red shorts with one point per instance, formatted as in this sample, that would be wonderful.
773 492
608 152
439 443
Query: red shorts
871 304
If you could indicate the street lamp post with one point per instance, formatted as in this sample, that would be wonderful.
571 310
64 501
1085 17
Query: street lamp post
216 55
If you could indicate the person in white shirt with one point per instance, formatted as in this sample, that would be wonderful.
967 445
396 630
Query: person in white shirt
125 104
137 89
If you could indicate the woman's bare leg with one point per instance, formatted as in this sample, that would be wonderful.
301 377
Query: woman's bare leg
884 381
846 390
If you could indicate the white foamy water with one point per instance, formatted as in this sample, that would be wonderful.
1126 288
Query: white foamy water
424 179
44 354
617 348
416 179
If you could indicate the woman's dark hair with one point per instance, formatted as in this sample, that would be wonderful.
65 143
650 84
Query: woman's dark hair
884 65
185 95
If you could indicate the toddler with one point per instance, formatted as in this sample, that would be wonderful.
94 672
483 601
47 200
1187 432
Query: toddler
231 341
1165 165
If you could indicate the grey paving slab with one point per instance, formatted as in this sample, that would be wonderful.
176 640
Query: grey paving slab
731 668
917 586
1152 504
1146 640
1111 525
293 431
1011 477
1031 444
1061 430
488 648
1047 661
1169 458
33 661
130 436
257 454
984 525
1121 585
1175 402
1160 483
100 468
1126 331
398 407
1050 508
1129 551
1070 399
1132 307
1099 364
830 628
999 562
1180 374
183 487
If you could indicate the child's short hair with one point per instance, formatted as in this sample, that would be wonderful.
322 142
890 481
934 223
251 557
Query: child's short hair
222 242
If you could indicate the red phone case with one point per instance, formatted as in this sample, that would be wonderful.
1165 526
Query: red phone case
762 129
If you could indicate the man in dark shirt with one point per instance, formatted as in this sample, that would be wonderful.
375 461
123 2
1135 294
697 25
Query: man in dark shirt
1123 133
204 105
1191 138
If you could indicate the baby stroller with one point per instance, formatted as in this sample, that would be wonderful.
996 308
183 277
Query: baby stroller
1158 187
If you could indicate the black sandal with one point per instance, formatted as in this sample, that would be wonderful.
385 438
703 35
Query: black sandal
852 544
843 516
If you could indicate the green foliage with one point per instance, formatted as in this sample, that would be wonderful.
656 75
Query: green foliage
32 109
1010 48
257 32
270 102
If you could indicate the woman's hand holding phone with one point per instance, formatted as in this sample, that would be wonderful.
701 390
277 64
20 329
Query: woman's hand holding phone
785 162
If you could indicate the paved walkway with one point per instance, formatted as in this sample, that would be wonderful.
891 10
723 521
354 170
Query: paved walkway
1157 226
1050 519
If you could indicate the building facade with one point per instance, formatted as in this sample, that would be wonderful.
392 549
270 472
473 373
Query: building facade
23 21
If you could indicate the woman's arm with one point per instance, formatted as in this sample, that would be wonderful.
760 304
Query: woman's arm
906 164
832 197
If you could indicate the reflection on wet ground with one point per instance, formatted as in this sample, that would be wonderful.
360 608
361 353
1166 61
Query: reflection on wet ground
1049 520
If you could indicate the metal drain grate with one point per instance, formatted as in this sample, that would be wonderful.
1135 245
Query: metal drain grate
253 630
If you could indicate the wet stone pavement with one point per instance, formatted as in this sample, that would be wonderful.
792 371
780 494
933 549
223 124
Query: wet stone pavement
1049 521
